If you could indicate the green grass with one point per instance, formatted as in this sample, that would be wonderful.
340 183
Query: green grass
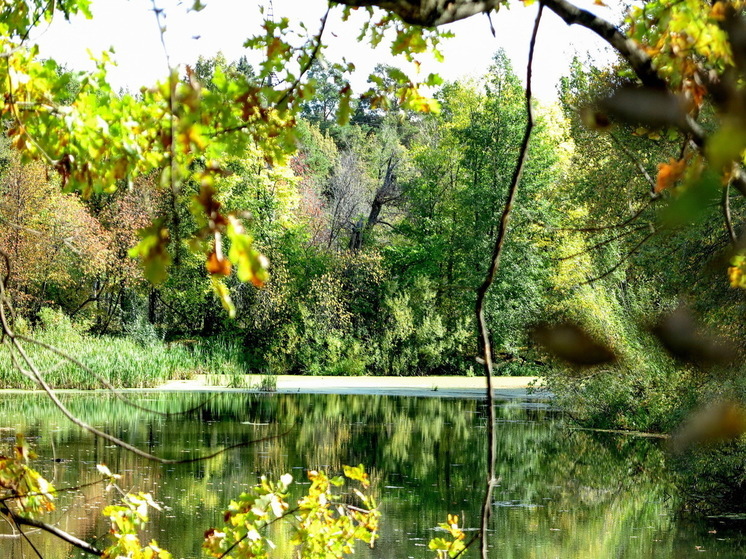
122 361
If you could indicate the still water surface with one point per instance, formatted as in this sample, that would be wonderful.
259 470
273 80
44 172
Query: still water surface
563 493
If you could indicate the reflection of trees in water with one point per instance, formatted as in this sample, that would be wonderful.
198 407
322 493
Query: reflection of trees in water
426 456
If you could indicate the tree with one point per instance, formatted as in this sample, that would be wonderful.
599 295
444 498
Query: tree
55 243
326 79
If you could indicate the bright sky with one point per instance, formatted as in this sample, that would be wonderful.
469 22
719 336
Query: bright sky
130 27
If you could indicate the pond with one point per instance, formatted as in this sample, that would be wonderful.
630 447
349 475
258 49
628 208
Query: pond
563 492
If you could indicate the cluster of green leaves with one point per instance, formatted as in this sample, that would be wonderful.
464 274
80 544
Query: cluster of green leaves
98 139
323 524
127 519
453 547
679 36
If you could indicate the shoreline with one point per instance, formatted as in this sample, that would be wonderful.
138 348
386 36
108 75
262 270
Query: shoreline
505 388
434 386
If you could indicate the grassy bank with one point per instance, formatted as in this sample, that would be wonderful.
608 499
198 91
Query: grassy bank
125 362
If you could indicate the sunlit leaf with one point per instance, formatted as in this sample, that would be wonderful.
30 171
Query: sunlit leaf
152 250
224 294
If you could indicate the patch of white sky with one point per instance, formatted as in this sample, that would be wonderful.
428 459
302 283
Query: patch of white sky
131 29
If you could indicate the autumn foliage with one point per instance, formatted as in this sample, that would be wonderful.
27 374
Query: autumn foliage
53 241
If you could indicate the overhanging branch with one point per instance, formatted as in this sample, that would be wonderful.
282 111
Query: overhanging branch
429 13
627 48
69 538
499 243
432 13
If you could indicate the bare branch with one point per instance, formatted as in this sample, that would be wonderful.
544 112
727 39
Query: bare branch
65 536
637 58
56 491
620 225
311 59
488 280
468 544
636 162
726 214
37 19
28 541
604 243
101 379
430 13
39 379
621 261
294 85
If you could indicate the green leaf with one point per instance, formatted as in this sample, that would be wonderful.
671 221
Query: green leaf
224 294
152 250
250 264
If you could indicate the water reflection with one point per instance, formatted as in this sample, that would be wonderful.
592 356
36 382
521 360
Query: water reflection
562 493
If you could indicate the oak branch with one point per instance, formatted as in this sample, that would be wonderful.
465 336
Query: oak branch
433 13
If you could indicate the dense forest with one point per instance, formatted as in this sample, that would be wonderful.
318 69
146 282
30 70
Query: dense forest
376 233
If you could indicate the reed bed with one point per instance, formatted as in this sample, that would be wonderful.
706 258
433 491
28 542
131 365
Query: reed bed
122 361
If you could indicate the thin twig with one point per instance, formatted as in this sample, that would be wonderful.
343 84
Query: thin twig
69 538
621 261
227 448
42 493
242 538
173 166
294 85
636 162
39 379
158 12
311 58
726 214
619 225
468 544
174 310
25 537
66 241
37 18
488 280
604 242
